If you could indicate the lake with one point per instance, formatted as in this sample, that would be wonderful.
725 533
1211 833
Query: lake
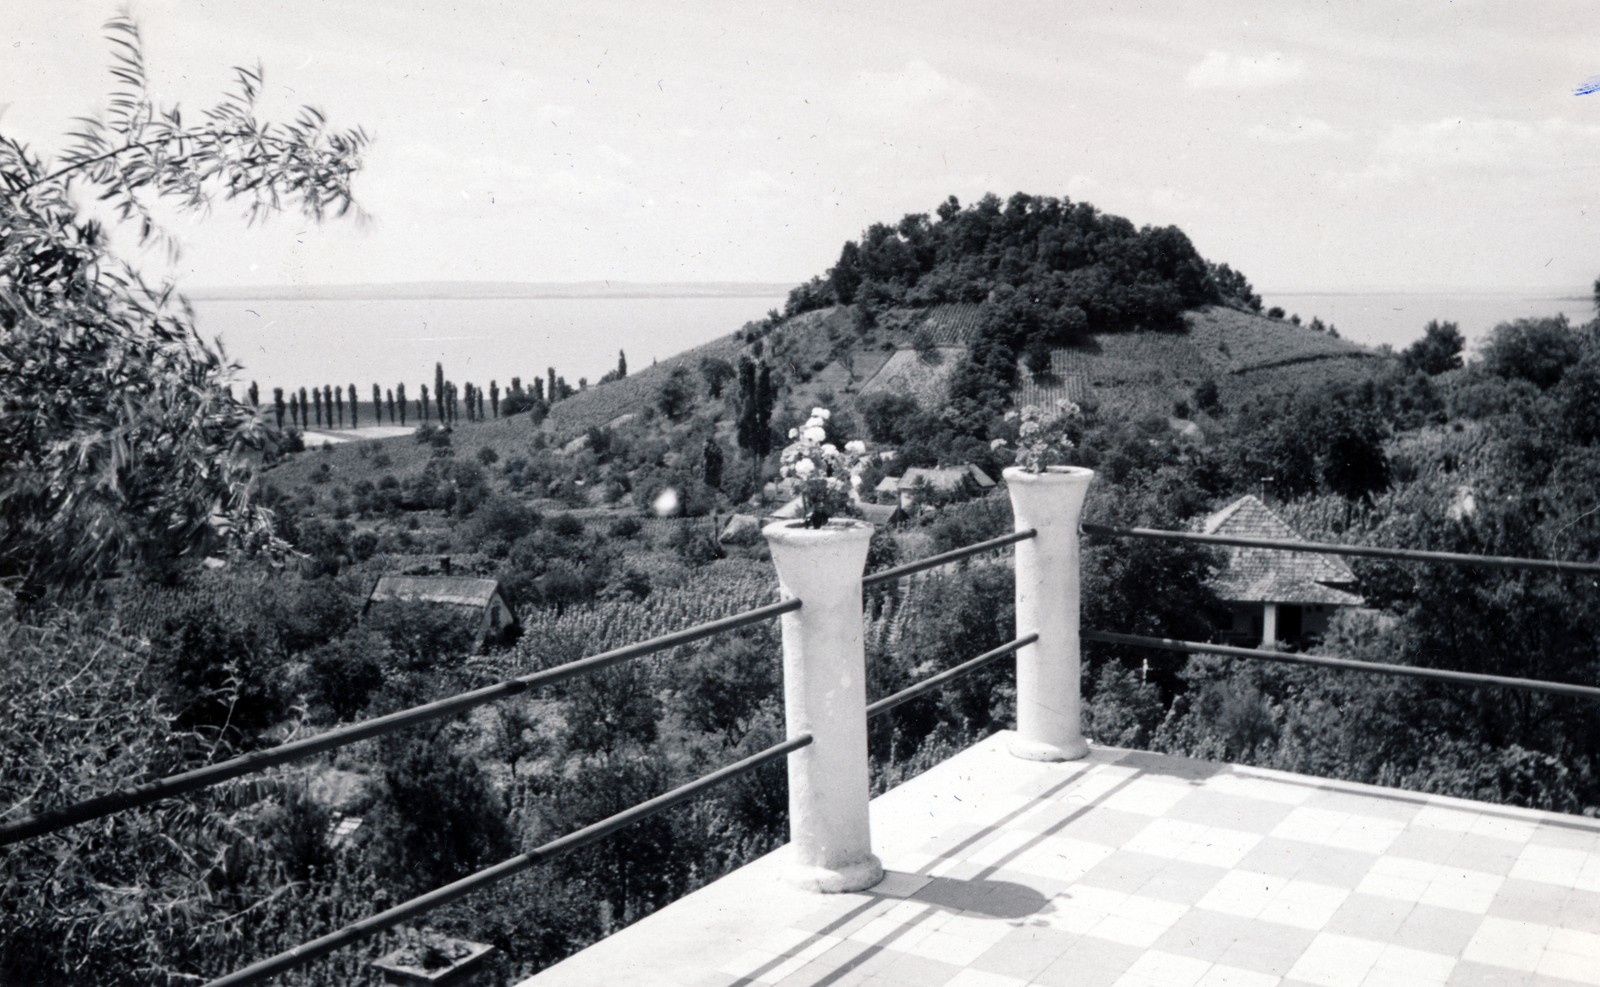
1398 318
300 342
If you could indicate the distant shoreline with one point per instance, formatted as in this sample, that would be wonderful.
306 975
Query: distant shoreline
493 289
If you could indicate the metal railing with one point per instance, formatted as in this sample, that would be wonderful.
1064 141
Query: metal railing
1477 679
1358 551
173 785
933 682
256 972
1347 664
1043 565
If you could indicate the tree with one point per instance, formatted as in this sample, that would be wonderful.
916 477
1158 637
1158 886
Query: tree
494 398
400 399
277 406
328 390
422 403
1536 350
389 395
255 395
675 397
438 388
353 422
716 372
316 403
1438 350
622 364
377 405
712 455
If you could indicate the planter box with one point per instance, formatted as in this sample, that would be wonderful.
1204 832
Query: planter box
456 974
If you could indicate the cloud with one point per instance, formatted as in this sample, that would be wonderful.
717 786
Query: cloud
1490 143
1295 131
1220 70
918 88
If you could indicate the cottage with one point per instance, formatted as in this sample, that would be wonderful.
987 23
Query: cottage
1274 595
946 478
497 621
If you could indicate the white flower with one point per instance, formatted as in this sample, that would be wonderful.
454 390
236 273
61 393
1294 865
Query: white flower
794 433
804 468
822 413
814 434
666 503
856 447
1029 428
829 449
1011 416
855 479
996 443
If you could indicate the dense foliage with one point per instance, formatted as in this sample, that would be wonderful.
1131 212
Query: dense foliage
119 441
1081 271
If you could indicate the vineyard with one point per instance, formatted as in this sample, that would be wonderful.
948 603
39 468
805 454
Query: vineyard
952 325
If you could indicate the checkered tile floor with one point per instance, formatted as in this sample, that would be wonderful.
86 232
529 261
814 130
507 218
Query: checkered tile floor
1140 870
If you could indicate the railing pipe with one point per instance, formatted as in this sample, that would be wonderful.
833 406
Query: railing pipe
934 561
1349 664
304 953
1360 551
933 682
179 784
1048 701
825 695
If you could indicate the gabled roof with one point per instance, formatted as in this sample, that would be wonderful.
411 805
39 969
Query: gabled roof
462 591
881 513
1264 575
945 477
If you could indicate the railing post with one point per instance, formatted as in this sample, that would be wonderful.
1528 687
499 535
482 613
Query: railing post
825 695
1051 502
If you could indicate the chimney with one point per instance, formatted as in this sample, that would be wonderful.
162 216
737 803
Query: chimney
444 564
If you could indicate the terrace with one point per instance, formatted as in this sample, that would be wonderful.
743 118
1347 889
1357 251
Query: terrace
1030 857
1144 870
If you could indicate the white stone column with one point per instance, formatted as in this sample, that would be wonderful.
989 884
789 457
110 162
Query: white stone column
825 695
1048 727
1269 624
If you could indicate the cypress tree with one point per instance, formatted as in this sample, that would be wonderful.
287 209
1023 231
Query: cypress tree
552 388
377 405
338 399
255 395
479 394
305 422
538 388
277 405
438 389
424 400
766 397
390 395
316 404
494 398
294 409
622 364
400 399
746 433
355 418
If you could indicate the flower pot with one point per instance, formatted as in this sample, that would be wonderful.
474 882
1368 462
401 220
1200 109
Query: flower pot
1048 701
825 695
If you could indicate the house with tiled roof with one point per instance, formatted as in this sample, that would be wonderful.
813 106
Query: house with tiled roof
482 602
1273 595
946 478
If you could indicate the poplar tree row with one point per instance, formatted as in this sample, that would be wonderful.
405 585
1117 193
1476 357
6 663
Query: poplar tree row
325 407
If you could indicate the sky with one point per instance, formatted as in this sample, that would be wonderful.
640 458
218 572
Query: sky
1315 146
